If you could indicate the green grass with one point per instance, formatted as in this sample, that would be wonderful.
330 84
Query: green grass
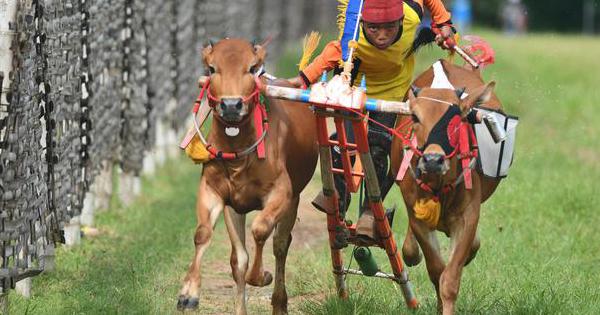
133 267
540 250
539 232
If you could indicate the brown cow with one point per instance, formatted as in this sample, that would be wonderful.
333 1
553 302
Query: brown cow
272 185
460 207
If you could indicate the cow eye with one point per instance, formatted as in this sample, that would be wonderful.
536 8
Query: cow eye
211 69
253 69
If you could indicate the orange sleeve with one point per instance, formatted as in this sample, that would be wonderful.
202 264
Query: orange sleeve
326 61
439 14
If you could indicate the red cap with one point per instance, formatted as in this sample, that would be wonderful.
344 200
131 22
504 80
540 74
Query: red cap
382 11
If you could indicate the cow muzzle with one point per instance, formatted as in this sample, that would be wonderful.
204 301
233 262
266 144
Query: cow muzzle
232 109
433 163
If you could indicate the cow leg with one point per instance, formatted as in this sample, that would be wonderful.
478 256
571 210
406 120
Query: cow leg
410 249
281 243
431 250
239 257
474 248
208 207
277 204
462 232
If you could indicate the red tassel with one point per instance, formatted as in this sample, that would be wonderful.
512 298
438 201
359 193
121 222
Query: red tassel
408 155
463 144
258 126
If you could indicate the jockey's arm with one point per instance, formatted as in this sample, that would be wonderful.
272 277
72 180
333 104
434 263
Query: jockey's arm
442 23
326 61
439 14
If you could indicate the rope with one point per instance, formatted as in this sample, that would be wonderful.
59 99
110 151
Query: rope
255 95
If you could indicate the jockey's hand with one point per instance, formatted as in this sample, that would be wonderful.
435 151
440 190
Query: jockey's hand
445 37
296 82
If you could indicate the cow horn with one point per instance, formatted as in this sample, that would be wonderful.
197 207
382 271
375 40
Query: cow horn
460 92
212 41
415 90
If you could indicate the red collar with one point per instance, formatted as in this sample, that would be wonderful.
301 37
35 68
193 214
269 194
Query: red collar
259 114
466 150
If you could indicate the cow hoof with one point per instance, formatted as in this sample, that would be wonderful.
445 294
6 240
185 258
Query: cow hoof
282 311
187 303
267 278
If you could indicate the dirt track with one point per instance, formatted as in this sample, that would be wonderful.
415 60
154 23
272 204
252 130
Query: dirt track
217 284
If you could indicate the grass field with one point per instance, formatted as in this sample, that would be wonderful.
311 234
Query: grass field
540 233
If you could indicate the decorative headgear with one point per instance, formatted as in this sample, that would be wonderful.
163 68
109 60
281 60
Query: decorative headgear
382 11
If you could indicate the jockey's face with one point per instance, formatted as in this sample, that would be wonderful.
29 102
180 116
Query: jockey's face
382 35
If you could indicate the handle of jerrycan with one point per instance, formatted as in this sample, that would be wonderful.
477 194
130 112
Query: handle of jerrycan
495 127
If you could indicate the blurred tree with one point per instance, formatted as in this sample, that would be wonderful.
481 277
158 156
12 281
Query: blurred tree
547 15
589 16
309 15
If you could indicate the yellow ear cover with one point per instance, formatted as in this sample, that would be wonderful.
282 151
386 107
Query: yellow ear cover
311 42
428 211
196 151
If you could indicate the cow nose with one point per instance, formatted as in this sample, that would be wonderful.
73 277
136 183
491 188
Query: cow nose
231 106
433 163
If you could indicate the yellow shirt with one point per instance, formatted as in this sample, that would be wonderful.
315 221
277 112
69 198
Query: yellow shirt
388 72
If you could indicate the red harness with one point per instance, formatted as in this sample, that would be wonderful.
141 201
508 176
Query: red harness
466 150
259 114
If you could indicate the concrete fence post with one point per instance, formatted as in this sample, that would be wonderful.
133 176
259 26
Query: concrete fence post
23 287
149 165
73 232
103 187
126 187
161 143
89 207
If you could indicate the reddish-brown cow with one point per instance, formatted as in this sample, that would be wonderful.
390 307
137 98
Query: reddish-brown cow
272 185
460 207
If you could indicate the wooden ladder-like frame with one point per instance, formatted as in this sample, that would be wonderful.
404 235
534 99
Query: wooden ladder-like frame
363 168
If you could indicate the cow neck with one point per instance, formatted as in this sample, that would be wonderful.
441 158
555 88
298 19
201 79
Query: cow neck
245 138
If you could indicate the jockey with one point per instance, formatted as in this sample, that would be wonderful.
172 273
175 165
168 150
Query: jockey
385 57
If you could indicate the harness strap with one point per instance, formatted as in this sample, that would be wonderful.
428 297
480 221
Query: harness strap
436 100
261 124
406 160
446 188
464 146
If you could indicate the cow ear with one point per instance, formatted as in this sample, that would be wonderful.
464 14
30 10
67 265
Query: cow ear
478 97
261 49
415 90
412 98
267 41
261 54
207 54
